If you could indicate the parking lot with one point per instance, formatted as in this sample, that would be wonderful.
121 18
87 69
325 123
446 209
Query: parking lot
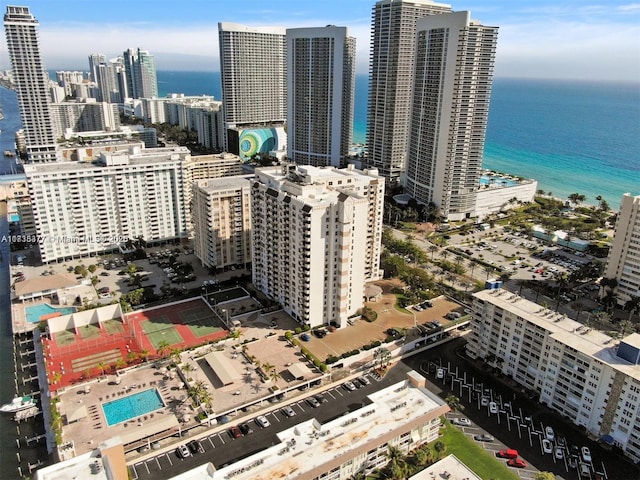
518 423
243 435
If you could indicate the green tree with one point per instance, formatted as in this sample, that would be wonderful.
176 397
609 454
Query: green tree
163 348
397 466
544 476
454 402
439 447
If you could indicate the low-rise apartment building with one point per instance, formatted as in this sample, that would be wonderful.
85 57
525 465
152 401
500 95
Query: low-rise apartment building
587 376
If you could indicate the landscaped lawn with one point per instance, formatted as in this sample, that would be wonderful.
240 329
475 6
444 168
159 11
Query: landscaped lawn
483 463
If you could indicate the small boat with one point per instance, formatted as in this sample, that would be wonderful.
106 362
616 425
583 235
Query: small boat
17 404
9 153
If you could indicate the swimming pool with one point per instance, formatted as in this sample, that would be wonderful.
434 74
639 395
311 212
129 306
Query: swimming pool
132 406
497 180
35 313
14 217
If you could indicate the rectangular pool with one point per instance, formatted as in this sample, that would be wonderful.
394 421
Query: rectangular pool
132 406
35 313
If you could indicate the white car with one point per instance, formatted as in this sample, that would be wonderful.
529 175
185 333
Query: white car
559 453
493 407
547 446
349 386
586 454
288 411
461 421
484 401
551 436
262 421
440 373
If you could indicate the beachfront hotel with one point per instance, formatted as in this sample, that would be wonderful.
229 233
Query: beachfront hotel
316 235
31 84
393 39
623 262
253 71
450 107
587 376
320 94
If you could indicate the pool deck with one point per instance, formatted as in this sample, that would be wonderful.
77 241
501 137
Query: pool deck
89 431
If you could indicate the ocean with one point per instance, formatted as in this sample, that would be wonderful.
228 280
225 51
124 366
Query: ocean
572 137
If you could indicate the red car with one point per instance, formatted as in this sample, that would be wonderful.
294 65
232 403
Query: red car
517 462
234 432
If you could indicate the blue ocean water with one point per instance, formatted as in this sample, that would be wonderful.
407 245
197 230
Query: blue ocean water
570 136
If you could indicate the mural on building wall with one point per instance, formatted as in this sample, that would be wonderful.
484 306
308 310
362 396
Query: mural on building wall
260 140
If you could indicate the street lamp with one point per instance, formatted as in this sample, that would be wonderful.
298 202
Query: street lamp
226 314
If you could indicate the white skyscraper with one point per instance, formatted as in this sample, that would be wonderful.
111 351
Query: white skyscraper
316 239
320 94
32 83
253 73
452 88
623 263
393 38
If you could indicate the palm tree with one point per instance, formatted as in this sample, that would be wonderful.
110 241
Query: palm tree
632 305
454 402
423 457
100 366
397 466
433 249
488 269
444 254
382 357
472 264
163 348
579 306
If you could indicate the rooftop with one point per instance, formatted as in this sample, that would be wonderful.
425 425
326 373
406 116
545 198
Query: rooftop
311 445
562 329
214 184
448 465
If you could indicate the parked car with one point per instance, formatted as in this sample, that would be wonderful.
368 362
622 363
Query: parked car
313 401
183 451
484 401
262 421
551 436
585 471
288 411
320 398
461 421
349 386
547 446
586 454
493 407
234 432
364 381
246 429
440 373
195 446
517 463
558 452
483 438
508 453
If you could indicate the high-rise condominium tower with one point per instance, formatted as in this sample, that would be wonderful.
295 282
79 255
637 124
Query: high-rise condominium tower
254 86
393 32
109 77
316 236
320 89
623 263
140 67
450 106
32 83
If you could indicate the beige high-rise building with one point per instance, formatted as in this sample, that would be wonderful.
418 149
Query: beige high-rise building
317 236
623 262
393 39
221 215
450 108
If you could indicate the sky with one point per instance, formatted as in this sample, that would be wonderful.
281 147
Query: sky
573 39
